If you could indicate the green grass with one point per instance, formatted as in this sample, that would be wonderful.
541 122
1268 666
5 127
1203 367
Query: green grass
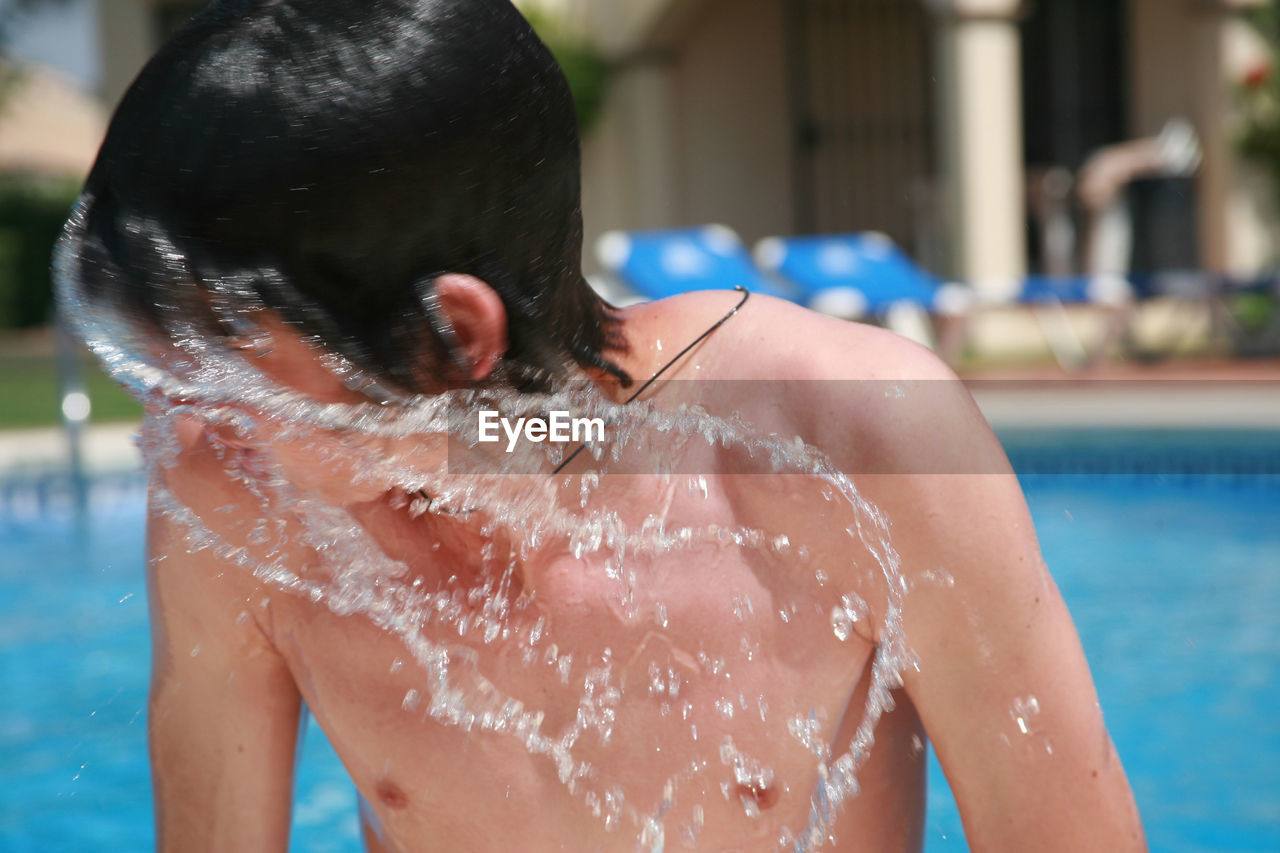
29 393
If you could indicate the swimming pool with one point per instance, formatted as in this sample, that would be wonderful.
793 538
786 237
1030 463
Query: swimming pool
1165 545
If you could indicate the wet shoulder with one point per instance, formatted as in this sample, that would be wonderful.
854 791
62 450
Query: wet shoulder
869 398
786 341
831 381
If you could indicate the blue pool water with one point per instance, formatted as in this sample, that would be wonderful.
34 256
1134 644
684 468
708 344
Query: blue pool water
1173 579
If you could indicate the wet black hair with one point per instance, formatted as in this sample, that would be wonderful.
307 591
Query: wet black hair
329 159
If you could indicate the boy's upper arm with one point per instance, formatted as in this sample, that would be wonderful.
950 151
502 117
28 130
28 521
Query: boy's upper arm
1002 685
224 708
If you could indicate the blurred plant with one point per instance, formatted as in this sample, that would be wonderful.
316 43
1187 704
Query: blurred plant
583 65
1259 96
32 211
1259 140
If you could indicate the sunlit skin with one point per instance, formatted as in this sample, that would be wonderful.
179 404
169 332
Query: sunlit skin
223 722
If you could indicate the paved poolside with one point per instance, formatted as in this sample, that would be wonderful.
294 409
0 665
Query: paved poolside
108 448
1197 395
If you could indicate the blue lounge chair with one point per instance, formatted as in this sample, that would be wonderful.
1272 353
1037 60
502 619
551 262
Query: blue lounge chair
1068 290
858 275
657 264
866 276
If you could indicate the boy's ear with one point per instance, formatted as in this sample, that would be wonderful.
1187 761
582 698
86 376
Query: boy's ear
479 321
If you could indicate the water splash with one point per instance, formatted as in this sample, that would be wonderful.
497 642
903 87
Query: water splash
465 644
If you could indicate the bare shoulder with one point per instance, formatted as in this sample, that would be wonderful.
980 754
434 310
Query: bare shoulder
200 582
786 341
871 399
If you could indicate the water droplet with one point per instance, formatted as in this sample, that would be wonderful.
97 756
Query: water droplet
851 610
1022 710
841 624
563 667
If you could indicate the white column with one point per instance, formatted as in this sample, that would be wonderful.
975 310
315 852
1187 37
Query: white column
646 90
629 164
980 138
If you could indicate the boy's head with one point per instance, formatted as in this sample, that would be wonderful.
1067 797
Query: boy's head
332 160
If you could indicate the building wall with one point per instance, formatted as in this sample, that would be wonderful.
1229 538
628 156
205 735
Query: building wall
628 158
132 30
862 96
700 127
1174 73
733 128
1180 67
128 39
697 128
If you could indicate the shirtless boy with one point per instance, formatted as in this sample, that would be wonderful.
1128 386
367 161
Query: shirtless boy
373 204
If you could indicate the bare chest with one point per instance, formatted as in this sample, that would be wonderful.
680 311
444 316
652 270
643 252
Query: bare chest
693 695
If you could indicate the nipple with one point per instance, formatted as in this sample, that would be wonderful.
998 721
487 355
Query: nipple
754 780
757 797
391 795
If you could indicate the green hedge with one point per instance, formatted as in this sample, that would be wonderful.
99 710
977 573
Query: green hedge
31 215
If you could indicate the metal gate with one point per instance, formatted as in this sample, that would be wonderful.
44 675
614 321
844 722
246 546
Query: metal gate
862 107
